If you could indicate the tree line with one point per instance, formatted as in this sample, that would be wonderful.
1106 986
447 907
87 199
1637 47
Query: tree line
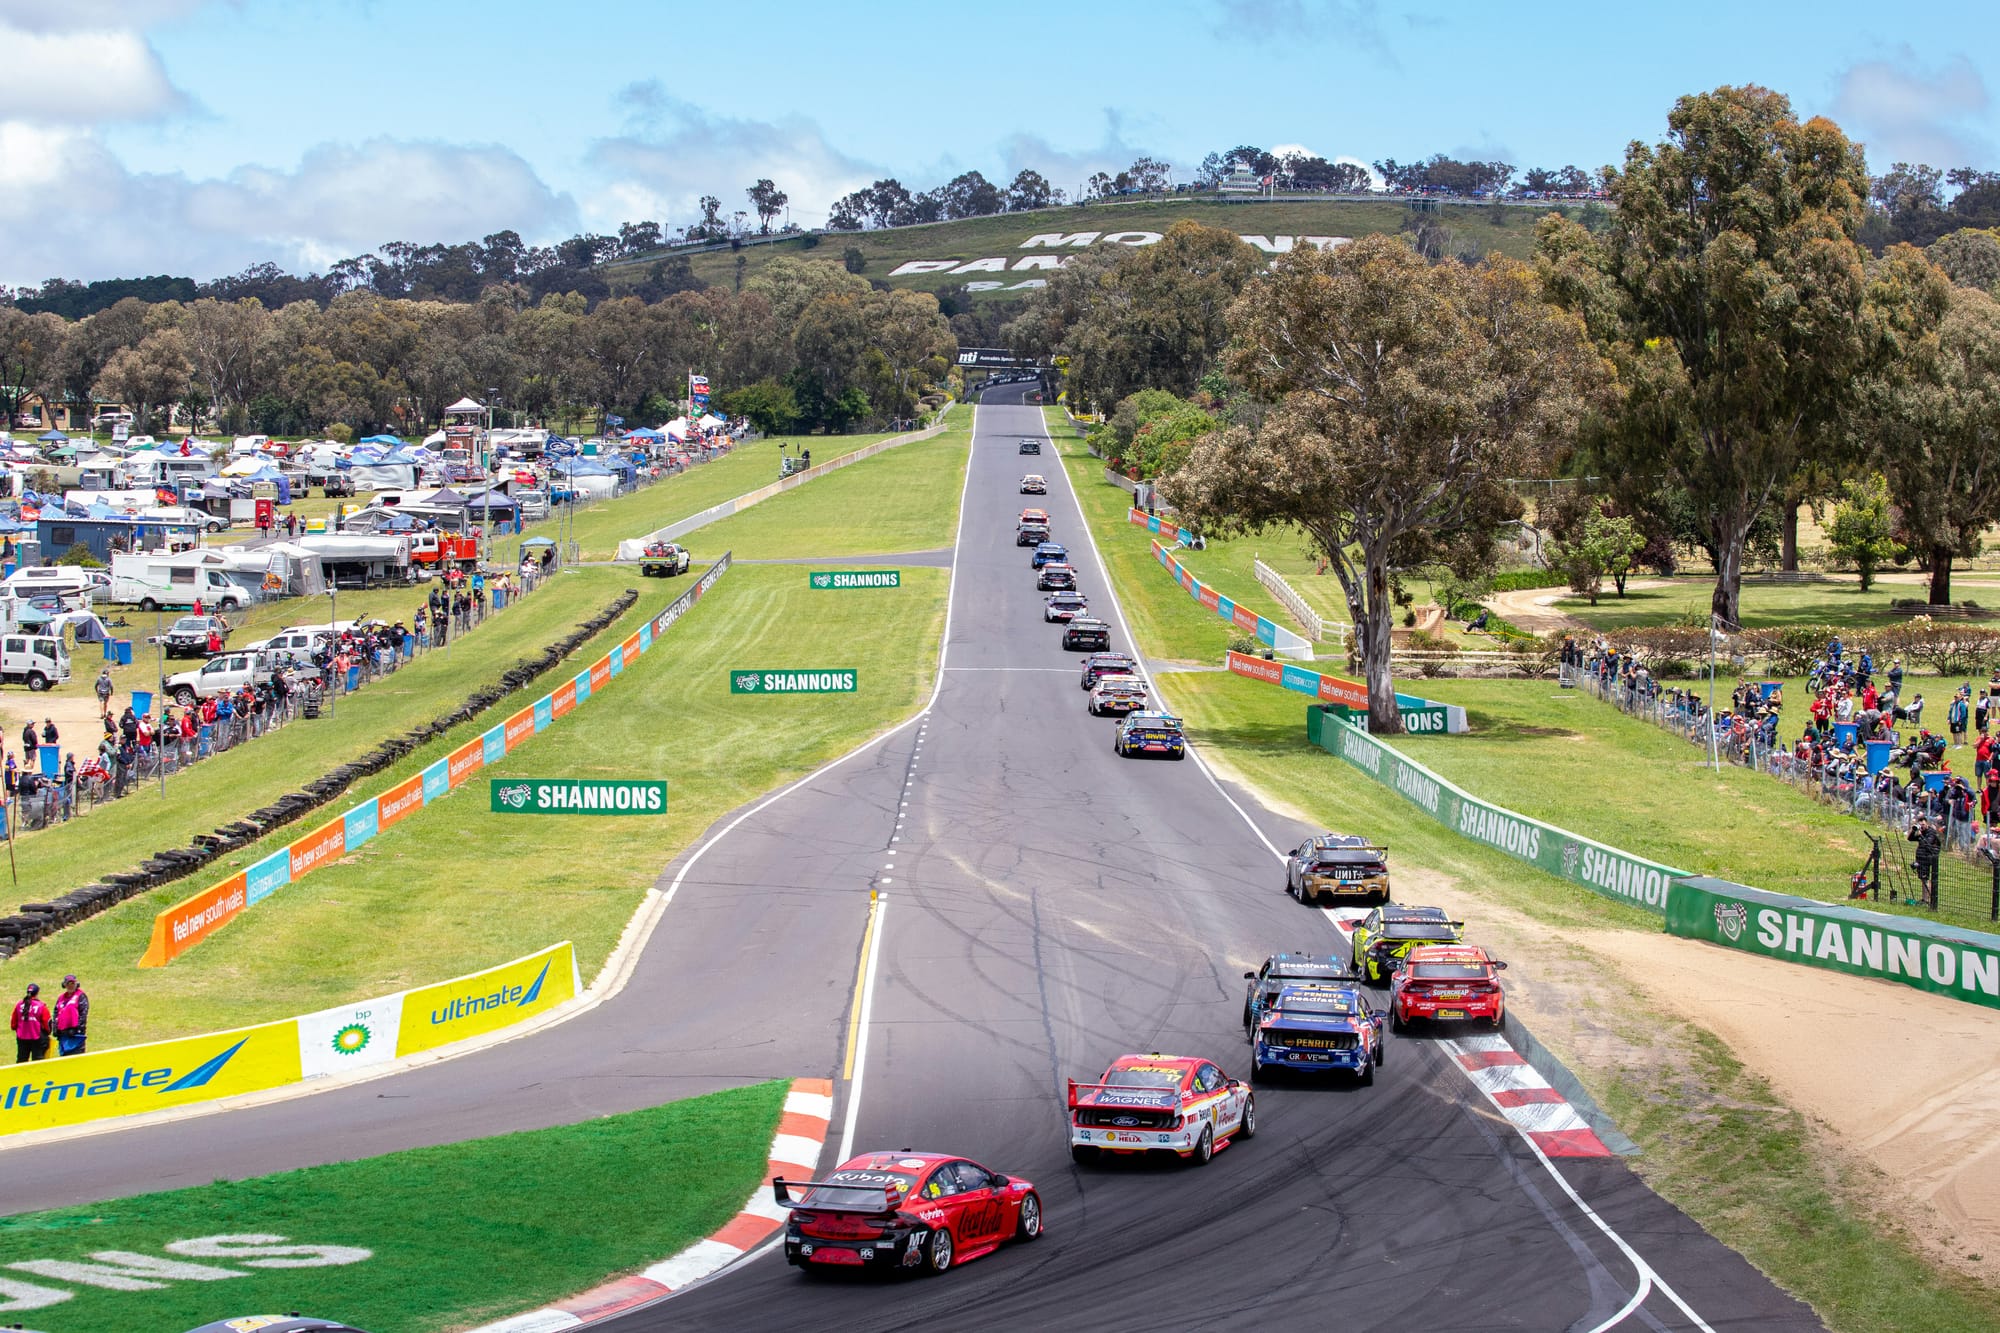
1700 366
803 346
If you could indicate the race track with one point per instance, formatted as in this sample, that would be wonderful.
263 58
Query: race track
1047 906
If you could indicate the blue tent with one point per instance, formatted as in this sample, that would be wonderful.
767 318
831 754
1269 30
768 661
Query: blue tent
389 440
53 437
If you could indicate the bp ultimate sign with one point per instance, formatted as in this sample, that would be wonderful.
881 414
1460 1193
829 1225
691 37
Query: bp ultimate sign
823 680
577 796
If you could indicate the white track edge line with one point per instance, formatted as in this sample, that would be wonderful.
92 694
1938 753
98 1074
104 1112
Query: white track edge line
1647 1277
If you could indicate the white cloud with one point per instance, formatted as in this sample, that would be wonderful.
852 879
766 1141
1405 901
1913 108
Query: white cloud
1067 168
674 152
82 78
88 217
86 15
1906 112
1356 23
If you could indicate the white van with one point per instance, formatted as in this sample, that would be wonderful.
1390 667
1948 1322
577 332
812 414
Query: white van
36 659
150 467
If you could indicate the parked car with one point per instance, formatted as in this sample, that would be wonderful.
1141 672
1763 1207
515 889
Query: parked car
189 635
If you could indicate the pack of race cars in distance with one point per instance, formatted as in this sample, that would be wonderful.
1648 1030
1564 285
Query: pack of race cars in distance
890 1211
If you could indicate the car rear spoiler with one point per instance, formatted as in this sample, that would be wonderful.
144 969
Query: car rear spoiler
1123 1096
1351 855
835 1197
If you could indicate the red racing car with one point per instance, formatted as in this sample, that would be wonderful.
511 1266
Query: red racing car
1159 1103
896 1210
1446 981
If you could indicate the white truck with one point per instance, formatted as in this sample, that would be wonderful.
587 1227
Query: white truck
154 582
225 673
36 660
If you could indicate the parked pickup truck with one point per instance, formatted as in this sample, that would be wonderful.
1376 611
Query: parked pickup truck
189 635
664 560
225 673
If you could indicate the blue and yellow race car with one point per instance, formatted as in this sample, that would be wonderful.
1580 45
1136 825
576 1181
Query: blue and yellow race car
1318 1029
1148 732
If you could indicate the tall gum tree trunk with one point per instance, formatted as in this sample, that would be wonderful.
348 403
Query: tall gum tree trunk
1727 599
1384 718
1940 576
1789 549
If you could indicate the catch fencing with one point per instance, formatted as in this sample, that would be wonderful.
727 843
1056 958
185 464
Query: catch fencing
1966 883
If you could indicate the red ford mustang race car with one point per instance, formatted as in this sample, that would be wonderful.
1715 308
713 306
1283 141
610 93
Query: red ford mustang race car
1159 1103
895 1210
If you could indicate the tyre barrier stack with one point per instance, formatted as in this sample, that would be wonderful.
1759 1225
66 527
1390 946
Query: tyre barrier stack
38 920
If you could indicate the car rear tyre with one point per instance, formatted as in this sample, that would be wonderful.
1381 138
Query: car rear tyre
942 1252
1499 1019
1083 1154
1204 1147
1368 1075
1030 1225
1381 1054
1396 1021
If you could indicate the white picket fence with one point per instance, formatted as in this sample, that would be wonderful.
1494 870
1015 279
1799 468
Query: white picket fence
1316 627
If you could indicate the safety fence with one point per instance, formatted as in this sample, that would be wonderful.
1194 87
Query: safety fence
165 1075
1944 960
1566 855
1315 626
1266 631
188 922
1350 697
1963 882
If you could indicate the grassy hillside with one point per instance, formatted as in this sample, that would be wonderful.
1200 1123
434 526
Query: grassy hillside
1505 228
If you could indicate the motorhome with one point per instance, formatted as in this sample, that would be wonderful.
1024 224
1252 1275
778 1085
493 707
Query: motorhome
150 467
153 581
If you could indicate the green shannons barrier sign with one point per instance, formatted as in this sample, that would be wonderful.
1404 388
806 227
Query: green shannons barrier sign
1962 964
1567 855
855 578
576 796
824 680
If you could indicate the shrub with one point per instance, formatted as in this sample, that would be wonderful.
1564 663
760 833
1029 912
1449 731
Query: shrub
1675 668
1521 580
1254 647
340 433
79 554
1423 641
1948 649
1661 642
1795 648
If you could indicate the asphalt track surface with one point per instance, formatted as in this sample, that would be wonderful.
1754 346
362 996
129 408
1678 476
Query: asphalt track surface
1048 906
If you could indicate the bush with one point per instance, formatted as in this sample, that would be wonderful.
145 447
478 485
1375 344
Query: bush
853 260
340 433
1423 641
1662 642
79 554
1676 668
1948 649
1522 580
1253 647
1795 648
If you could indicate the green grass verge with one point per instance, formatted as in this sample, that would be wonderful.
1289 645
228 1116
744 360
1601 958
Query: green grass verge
1510 230
117 836
905 499
1715 1140
458 888
457 1235
601 526
1839 601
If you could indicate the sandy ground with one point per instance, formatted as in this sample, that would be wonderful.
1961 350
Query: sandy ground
1533 609
1906 1082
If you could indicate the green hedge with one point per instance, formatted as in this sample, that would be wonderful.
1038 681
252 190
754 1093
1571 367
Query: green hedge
1520 580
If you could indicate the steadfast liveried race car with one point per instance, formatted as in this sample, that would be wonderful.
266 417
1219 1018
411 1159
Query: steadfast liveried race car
1337 867
1107 664
1049 553
1065 606
1117 695
1034 484
1146 732
1159 1103
1389 932
1318 1028
891 1210
1290 969
1086 635
1056 575
1447 981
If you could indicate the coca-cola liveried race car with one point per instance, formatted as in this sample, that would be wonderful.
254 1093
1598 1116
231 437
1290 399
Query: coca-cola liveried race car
893 1210
1157 1103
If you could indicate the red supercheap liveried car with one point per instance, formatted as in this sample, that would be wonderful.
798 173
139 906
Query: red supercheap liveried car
896 1210
1447 981
1159 1103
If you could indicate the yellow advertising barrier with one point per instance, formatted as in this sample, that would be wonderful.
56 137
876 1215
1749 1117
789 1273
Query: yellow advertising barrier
469 1006
131 1080
52 1093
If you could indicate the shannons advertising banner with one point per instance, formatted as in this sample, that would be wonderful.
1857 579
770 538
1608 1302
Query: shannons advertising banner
192 920
1962 964
1571 856
132 1080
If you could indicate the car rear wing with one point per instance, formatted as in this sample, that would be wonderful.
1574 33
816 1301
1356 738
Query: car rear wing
1330 856
1121 1096
836 1197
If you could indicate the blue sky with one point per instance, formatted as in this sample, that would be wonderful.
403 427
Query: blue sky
197 136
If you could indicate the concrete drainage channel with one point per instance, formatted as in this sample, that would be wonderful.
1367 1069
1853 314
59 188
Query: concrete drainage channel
38 920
